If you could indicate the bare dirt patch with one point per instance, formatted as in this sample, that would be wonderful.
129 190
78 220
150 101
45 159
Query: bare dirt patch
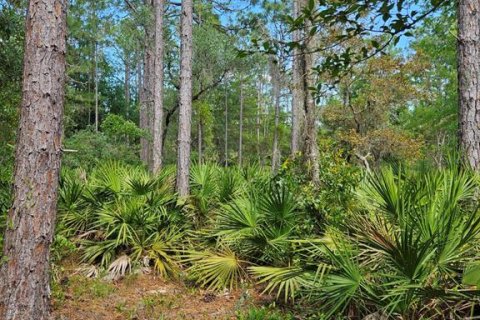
145 297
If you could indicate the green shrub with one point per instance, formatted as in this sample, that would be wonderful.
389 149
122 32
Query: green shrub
262 313
118 128
330 201
403 254
123 217
86 149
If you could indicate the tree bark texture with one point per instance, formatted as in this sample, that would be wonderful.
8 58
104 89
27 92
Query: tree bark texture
298 88
185 108
274 66
146 106
469 80
24 285
310 131
157 147
144 110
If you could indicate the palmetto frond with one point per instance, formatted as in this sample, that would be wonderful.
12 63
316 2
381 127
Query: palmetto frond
282 280
216 269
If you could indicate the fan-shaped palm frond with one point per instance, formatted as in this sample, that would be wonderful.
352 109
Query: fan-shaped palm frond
238 219
216 269
203 180
230 184
283 280
110 176
278 206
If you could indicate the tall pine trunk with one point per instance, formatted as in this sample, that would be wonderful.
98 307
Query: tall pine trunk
157 128
141 107
226 126
298 87
146 107
240 127
274 66
127 86
310 130
257 120
469 80
185 108
143 117
96 88
24 285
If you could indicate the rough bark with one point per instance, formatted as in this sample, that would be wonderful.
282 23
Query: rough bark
147 88
276 97
310 132
185 107
469 80
24 285
240 127
298 86
157 128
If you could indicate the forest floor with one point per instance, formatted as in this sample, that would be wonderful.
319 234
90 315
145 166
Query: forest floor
146 296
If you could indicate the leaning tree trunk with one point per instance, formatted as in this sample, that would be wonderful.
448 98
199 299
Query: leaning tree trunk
185 108
469 80
157 128
25 289
298 87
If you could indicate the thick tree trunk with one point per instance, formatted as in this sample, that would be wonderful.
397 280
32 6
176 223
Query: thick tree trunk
469 80
150 82
25 289
240 127
310 134
185 108
147 88
157 149
298 88
276 97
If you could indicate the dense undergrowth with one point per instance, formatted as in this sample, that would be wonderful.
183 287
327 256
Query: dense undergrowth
397 242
